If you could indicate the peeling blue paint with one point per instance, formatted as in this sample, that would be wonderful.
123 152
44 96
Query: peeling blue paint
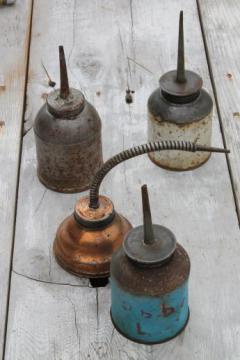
149 319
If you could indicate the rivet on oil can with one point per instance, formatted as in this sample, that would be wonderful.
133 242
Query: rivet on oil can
86 240
180 110
149 283
68 138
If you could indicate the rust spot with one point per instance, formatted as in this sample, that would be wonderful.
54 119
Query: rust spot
139 331
167 310
229 76
196 139
98 93
145 314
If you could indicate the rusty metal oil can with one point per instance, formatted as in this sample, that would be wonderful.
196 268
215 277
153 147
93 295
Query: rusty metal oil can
86 240
68 138
149 283
180 110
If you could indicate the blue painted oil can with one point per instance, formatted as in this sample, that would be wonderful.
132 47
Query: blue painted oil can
149 283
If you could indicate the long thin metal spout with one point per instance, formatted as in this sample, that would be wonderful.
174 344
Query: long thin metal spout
64 86
147 217
181 78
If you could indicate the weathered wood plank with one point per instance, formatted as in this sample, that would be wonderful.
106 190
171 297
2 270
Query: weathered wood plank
220 20
198 206
14 42
51 322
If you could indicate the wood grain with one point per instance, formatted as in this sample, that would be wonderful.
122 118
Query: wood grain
14 42
221 26
198 206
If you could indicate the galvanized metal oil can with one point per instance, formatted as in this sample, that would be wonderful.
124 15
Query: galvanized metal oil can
68 138
86 240
149 283
180 110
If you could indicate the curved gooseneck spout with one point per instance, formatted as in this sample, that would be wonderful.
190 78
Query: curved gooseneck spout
139 150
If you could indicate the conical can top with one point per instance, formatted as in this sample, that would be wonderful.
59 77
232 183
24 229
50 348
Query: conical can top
149 244
181 83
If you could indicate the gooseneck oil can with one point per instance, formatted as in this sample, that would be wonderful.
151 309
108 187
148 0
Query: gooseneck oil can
86 240
180 109
149 283
68 138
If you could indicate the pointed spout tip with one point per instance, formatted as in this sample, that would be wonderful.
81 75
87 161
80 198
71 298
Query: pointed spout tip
181 77
64 86
147 218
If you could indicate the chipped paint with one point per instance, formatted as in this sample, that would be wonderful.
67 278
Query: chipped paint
198 132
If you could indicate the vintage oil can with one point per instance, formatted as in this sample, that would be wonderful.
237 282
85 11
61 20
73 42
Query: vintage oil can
68 138
86 240
180 110
149 283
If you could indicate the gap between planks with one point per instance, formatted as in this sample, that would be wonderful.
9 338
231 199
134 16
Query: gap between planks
209 64
17 182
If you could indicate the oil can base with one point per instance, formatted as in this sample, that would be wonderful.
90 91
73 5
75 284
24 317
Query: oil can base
178 169
149 342
62 189
79 274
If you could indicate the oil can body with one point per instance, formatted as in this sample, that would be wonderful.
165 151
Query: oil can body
87 251
150 305
69 149
191 121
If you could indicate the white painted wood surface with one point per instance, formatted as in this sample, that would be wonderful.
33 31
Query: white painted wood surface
14 39
221 26
50 320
